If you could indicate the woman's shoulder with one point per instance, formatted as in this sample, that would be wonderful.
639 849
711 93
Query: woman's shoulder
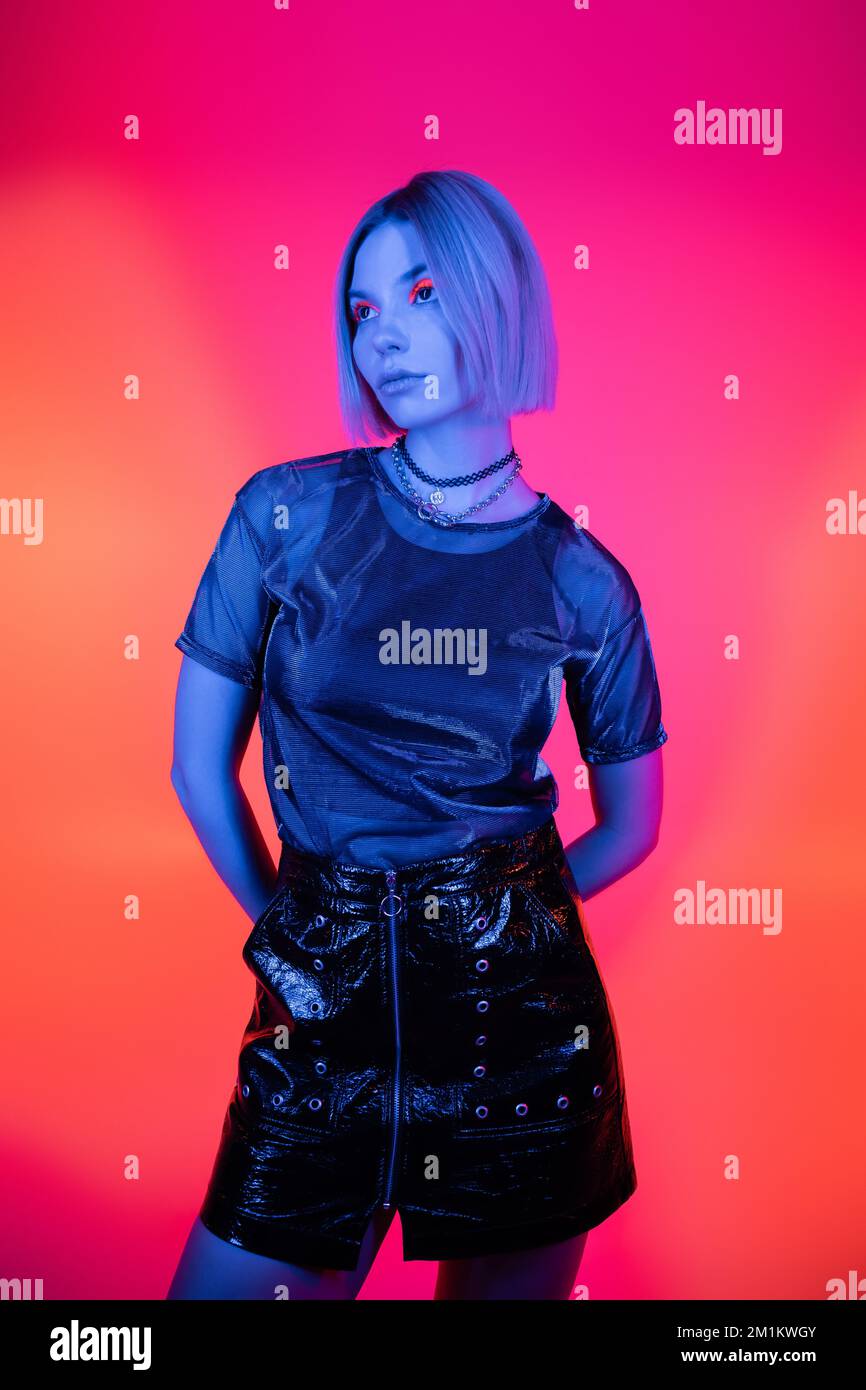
588 578
581 553
277 495
298 475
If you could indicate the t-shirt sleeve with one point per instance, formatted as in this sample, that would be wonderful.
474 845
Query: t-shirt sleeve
610 678
231 615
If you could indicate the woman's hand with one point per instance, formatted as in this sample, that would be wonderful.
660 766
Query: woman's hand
627 800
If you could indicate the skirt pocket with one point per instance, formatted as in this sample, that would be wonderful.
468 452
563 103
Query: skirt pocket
520 1083
294 952
288 1080
556 897
469 1127
536 1042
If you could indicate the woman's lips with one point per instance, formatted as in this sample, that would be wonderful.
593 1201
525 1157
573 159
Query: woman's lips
398 384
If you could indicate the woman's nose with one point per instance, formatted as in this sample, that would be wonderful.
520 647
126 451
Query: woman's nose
389 333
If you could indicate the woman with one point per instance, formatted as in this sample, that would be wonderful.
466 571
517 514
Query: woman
430 1031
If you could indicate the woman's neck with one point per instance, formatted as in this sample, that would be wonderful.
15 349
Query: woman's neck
470 455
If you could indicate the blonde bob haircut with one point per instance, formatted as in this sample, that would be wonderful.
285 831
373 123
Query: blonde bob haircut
492 288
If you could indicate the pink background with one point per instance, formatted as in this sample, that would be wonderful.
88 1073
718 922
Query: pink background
261 127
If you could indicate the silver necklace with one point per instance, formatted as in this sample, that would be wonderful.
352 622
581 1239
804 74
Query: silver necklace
431 509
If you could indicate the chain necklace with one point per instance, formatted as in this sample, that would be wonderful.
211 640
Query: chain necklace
430 510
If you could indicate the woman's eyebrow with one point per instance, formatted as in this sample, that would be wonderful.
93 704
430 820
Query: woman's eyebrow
407 275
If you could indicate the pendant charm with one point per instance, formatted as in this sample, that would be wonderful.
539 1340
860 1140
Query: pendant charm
438 497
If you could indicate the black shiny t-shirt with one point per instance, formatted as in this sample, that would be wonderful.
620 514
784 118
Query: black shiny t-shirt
410 674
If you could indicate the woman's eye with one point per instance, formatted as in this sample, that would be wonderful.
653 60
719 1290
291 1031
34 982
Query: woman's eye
421 288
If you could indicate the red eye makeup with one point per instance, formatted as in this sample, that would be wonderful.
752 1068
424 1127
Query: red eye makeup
417 289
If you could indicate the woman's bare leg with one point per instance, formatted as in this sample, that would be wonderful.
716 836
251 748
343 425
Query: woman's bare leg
210 1267
546 1272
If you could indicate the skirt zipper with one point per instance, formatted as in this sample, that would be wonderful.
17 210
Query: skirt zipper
391 879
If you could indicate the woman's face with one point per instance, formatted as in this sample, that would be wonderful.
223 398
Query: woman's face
400 327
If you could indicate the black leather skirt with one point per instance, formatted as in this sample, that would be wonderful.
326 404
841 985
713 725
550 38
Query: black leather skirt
435 1039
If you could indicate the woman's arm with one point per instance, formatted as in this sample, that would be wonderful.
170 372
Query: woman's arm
213 720
627 800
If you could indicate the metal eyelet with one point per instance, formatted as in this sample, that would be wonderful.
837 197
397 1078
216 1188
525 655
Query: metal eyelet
481 1040
277 1099
480 923
597 1090
318 964
562 1102
482 965
321 1068
314 1008
481 1112
320 921
482 1006
479 1071
314 1103
522 1108
245 1090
